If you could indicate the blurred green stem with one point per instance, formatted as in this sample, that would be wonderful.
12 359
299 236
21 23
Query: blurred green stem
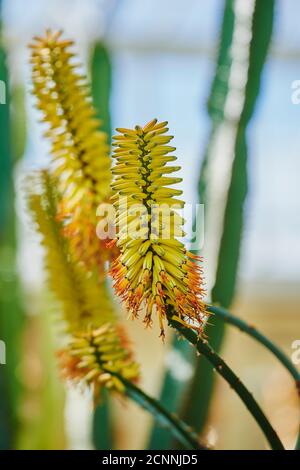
101 79
102 432
224 315
223 181
173 390
223 188
176 427
234 382
11 312
298 442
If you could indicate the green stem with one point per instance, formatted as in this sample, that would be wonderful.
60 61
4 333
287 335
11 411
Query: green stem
297 447
178 428
252 331
224 370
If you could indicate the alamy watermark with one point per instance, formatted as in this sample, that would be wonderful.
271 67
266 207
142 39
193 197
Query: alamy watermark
295 95
295 357
155 221
2 92
2 352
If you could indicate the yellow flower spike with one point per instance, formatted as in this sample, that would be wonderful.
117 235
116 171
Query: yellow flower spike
80 151
98 347
108 354
63 98
156 272
78 292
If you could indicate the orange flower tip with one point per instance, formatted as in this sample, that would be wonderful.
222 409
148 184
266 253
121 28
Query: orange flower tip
148 321
139 290
123 284
162 273
111 243
162 335
160 304
134 314
160 289
194 256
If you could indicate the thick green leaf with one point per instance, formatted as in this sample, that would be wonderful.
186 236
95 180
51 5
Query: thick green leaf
196 410
5 153
197 399
18 122
173 424
11 315
181 355
43 393
101 73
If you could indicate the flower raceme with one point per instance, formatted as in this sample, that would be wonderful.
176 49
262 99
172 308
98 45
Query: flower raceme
80 151
77 291
98 346
99 358
153 270
64 210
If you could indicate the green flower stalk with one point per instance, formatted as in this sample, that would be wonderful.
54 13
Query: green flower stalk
154 269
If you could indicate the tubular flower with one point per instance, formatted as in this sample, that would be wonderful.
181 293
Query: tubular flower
80 151
153 269
78 292
80 230
99 358
98 347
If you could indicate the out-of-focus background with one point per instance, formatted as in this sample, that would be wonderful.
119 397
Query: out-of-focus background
164 56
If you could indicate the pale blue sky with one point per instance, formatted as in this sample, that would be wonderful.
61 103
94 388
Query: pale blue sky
163 63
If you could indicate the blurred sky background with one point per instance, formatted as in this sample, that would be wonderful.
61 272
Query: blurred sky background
163 54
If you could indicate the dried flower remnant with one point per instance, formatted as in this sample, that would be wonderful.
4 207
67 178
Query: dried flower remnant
153 270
